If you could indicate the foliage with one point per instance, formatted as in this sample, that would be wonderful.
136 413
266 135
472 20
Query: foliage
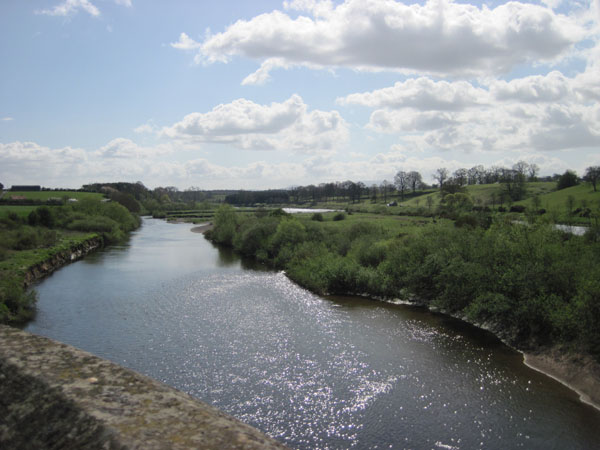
533 284
225 222
46 230
567 179
16 305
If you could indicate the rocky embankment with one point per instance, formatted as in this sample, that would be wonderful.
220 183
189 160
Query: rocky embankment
55 396
62 258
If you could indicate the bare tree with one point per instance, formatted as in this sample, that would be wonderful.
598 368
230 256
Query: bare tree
385 188
476 175
440 176
592 174
533 171
461 176
414 180
401 182
522 168
374 193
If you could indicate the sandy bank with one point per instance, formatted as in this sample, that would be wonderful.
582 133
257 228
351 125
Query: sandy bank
202 228
577 372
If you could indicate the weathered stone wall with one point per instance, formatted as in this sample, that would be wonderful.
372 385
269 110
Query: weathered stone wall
53 396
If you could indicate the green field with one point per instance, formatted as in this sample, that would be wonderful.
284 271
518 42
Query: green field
21 211
583 196
393 225
46 195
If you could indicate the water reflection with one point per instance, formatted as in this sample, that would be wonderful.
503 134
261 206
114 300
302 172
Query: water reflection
339 372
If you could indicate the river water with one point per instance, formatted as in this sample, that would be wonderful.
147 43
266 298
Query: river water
312 372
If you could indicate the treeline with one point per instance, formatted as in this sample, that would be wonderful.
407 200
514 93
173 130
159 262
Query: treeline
43 229
407 184
161 195
533 285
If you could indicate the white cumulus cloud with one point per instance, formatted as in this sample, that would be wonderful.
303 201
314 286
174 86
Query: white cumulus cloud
440 37
69 7
277 126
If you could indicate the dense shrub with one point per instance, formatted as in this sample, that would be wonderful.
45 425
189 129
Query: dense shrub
317 217
26 238
517 208
339 216
528 282
567 179
16 305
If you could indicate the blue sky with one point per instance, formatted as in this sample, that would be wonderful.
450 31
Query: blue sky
266 94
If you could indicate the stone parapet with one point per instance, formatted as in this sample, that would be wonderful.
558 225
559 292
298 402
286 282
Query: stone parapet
55 396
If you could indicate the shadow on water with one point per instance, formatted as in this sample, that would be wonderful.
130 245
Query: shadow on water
227 257
441 322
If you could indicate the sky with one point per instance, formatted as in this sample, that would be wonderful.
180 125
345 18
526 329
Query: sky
272 94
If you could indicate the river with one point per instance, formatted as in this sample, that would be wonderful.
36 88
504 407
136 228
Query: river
312 372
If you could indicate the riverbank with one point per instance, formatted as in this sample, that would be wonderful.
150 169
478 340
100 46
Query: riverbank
532 287
203 228
577 372
60 258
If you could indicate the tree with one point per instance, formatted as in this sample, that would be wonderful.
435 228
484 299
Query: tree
374 193
476 174
401 182
385 188
533 172
441 175
592 174
429 201
415 181
514 183
522 168
567 179
461 176
1 187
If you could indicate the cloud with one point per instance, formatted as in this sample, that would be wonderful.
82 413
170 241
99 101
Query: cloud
185 43
440 37
124 3
277 126
534 113
127 149
6 119
145 129
69 7
553 87
422 94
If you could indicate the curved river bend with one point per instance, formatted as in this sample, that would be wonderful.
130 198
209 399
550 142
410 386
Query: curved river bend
312 372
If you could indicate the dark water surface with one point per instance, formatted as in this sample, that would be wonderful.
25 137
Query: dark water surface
310 371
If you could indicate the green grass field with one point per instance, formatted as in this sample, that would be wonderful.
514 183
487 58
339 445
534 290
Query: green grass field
45 195
556 203
21 211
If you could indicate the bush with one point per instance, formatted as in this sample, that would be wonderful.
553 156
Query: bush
225 221
467 220
16 305
517 208
339 216
317 217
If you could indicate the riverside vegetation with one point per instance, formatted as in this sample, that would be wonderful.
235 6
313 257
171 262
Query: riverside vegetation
533 285
27 240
